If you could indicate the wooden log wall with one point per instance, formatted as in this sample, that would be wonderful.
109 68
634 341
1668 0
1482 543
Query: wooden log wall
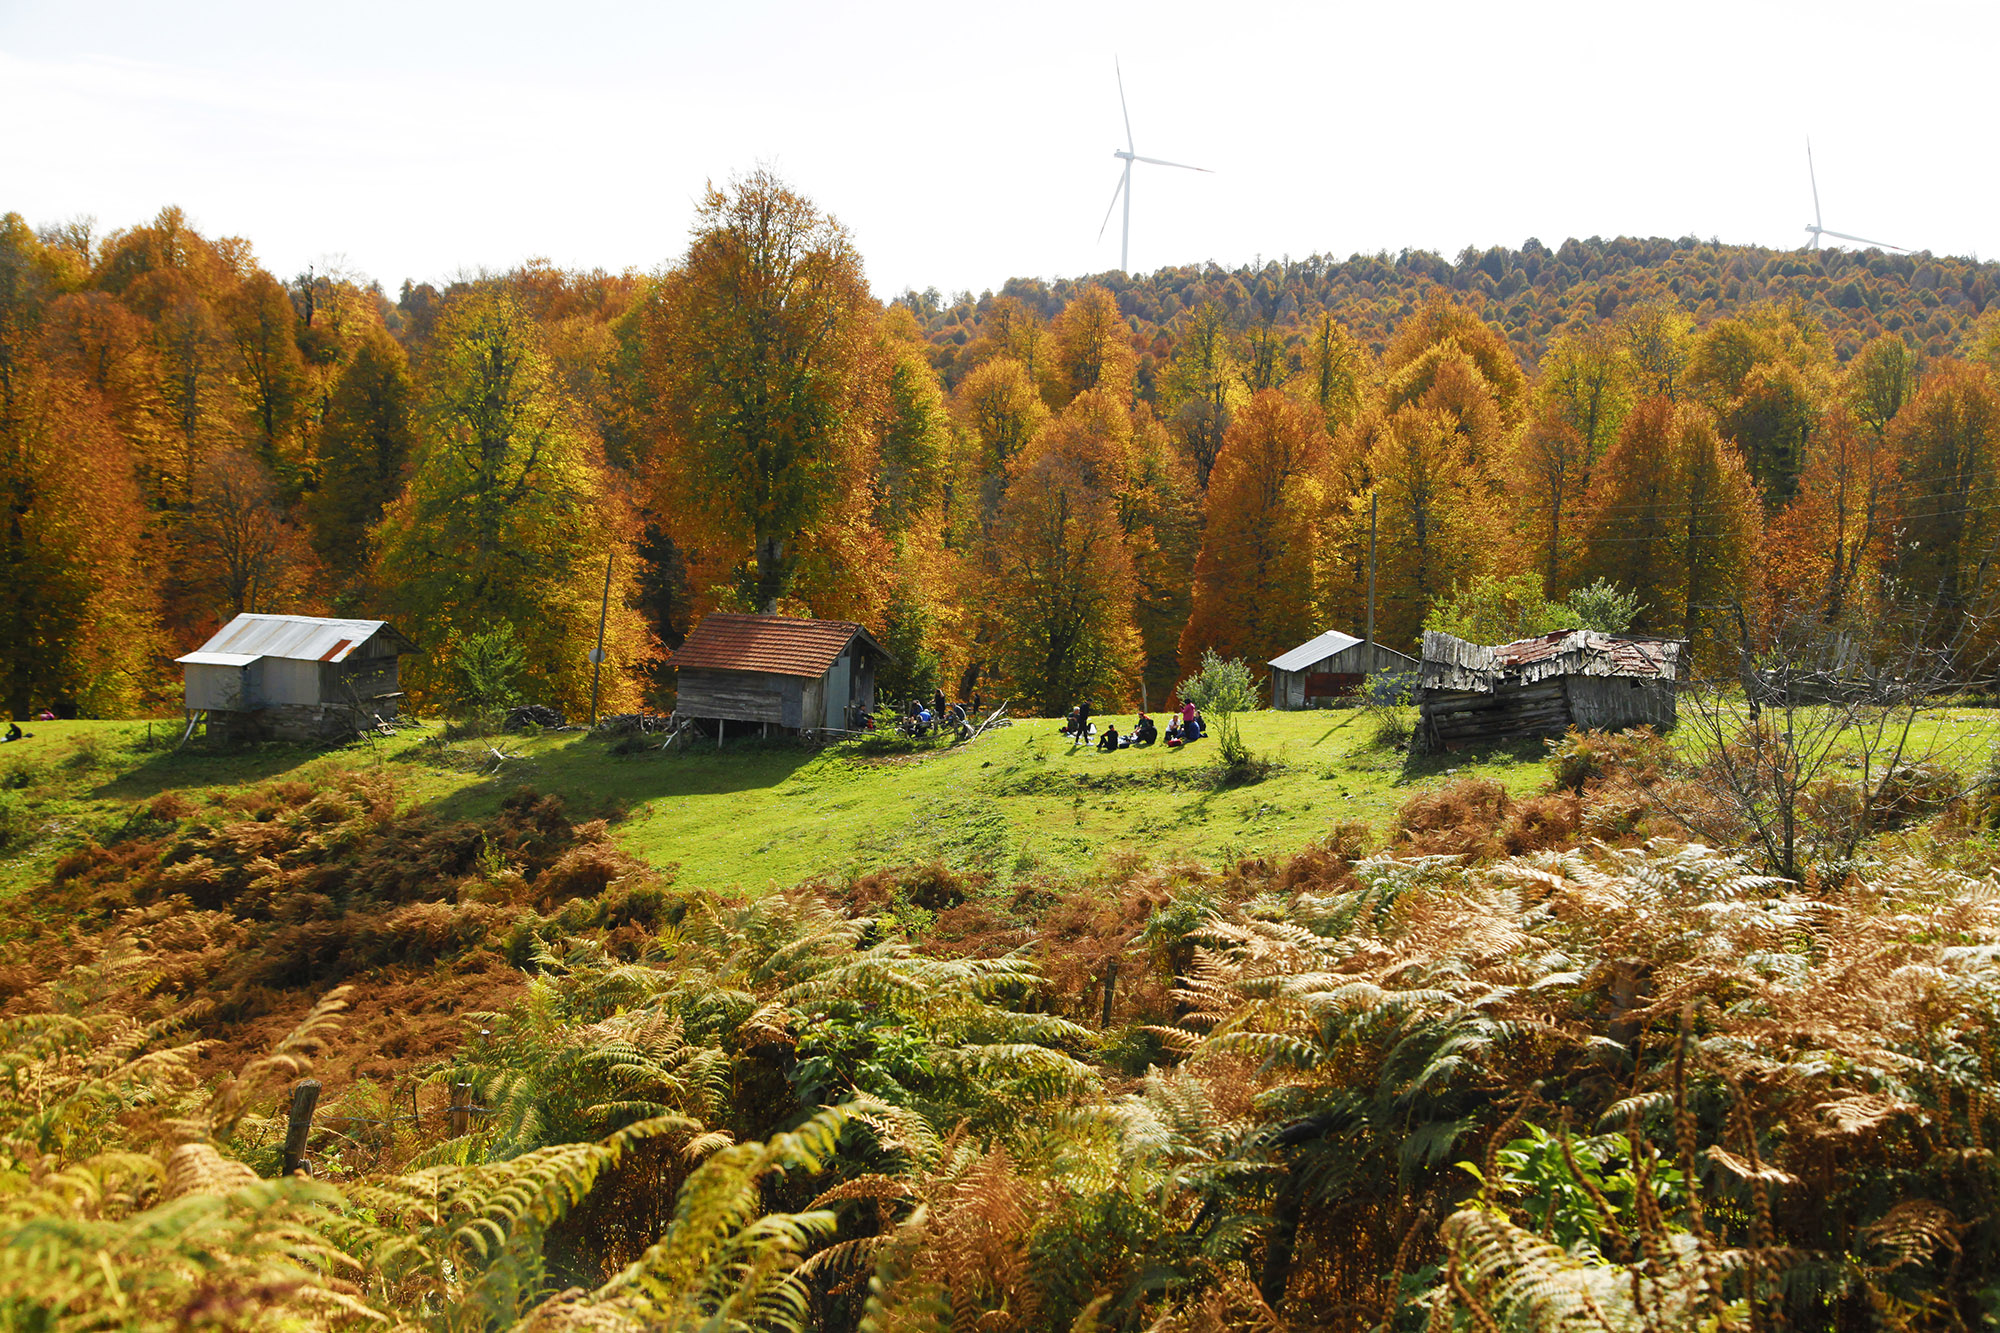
1456 719
1453 719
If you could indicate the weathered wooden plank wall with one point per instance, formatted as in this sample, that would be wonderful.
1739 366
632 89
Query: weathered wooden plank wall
740 696
1607 703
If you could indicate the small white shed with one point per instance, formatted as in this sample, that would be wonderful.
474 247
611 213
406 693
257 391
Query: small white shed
1332 665
294 677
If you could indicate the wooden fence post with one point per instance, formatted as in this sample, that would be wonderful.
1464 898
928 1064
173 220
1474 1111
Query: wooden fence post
304 1098
1110 985
461 1109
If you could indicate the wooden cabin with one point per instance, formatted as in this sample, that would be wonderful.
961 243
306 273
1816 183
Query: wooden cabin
1330 667
1469 694
297 678
740 672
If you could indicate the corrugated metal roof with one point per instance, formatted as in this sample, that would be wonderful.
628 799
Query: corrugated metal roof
295 638
779 645
1314 650
217 659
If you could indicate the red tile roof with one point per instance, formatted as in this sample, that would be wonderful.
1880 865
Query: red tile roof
778 645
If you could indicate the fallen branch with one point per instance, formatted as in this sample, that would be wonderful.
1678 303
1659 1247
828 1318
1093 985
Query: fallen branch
998 718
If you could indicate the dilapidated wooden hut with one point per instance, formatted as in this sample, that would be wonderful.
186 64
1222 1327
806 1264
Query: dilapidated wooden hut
1329 667
777 672
296 678
1470 694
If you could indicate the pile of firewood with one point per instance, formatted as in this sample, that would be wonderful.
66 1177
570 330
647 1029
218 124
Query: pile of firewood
531 715
635 724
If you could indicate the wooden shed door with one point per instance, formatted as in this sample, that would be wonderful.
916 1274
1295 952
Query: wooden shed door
837 689
1332 684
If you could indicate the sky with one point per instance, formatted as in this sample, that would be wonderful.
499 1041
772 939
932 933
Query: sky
963 145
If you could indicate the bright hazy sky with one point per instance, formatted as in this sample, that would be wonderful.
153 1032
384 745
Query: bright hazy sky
964 144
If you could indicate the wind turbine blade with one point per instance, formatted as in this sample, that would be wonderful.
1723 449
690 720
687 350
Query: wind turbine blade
1863 240
1114 199
1813 176
1124 110
1161 162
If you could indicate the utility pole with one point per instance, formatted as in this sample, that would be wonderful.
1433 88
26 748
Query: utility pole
1372 499
597 653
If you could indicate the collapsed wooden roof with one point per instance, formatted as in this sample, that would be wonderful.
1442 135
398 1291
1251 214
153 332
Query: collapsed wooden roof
1451 663
774 645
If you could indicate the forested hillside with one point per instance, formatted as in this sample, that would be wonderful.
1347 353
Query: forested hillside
1058 491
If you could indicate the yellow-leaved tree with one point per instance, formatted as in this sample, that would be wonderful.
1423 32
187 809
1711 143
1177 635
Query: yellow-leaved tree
760 346
494 558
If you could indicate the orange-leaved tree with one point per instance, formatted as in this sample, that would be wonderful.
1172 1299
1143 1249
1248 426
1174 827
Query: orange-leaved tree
1673 518
1060 580
1825 550
1256 580
77 611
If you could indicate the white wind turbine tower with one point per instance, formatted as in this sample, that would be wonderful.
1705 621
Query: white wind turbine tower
1814 228
1130 153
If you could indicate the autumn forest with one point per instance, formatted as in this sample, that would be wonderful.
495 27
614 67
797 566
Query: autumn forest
1053 492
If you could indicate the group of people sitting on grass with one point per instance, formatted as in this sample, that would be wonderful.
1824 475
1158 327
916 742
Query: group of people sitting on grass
1182 727
918 716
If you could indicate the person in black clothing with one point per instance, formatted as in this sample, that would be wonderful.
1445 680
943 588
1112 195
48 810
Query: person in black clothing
14 732
937 704
1109 741
1144 732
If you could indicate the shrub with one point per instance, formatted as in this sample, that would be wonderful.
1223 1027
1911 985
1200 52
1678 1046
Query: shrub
1500 610
1386 697
1463 817
1580 759
488 669
1219 691
1543 823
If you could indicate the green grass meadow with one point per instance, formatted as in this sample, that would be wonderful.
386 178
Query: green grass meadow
1017 802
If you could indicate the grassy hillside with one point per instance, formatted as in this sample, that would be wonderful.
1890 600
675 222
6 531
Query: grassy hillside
1083 1056
1018 801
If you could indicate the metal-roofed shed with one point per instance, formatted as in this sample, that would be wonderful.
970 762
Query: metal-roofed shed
1329 666
1471 694
777 671
294 677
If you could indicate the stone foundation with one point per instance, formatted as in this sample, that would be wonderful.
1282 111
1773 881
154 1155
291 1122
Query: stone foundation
304 723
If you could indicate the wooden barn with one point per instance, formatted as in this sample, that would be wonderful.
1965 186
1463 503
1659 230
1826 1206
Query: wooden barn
776 671
1469 694
1328 667
298 678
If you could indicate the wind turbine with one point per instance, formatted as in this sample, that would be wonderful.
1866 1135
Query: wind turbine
1130 154
1816 230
